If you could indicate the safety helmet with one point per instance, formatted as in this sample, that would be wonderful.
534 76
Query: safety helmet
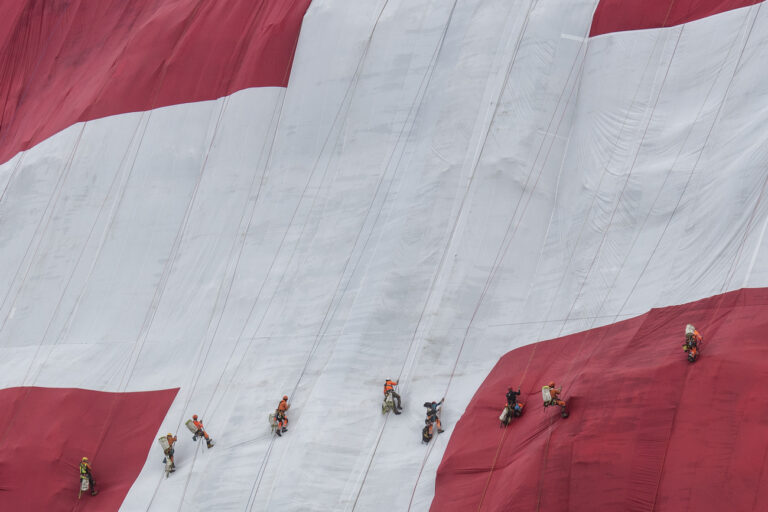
285 397
552 384
85 459
194 416
170 435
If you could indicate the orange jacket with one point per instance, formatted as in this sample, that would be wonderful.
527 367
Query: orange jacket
696 336
389 385
283 406
171 439
554 393
198 424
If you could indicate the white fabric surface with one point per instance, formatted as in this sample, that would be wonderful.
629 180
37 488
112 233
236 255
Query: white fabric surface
414 205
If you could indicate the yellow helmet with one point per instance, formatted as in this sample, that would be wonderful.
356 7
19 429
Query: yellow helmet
170 435
85 459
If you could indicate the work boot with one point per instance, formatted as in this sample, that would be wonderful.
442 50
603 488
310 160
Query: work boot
94 492
278 433
285 429
396 411
440 431
208 443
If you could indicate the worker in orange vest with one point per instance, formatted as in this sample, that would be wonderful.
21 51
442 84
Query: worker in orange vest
554 394
389 388
201 431
692 340
169 452
282 420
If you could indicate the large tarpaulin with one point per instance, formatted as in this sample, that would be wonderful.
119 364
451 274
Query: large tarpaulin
439 183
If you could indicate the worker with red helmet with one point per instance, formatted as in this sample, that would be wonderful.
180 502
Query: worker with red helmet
201 431
280 417
433 413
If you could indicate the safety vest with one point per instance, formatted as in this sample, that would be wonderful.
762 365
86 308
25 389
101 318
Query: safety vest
84 468
389 385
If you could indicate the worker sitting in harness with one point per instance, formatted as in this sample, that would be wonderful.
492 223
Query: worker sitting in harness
389 389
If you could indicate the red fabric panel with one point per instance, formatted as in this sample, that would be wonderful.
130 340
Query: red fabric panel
46 431
647 430
621 15
65 61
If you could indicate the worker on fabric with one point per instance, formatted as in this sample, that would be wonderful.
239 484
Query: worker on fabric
554 395
280 417
514 406
389 388
201 431
433 413
170 450
551 396
692 340
87 472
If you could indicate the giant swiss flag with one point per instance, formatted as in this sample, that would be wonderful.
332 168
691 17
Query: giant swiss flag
205 206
